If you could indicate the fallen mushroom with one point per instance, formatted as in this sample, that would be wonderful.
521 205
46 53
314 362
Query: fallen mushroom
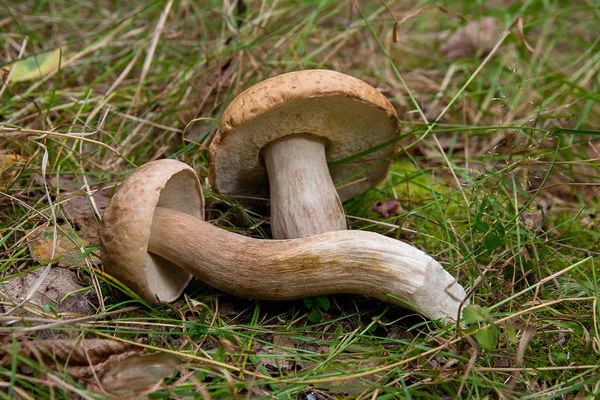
153 240
298 123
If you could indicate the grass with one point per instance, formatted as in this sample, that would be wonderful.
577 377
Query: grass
498 178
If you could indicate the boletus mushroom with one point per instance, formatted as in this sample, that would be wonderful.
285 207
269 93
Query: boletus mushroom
153 239
290 127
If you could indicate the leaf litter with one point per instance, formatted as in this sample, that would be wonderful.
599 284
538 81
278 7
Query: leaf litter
35 66
69 246
387 208
477 38
60 295
108 366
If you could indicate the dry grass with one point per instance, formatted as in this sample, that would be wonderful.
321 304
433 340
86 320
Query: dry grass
499 179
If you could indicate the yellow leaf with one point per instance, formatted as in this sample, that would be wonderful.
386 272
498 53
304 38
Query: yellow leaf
35 67
8 158
10 166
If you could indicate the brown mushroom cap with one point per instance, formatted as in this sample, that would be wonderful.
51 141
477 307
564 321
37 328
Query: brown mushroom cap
126 224
352 115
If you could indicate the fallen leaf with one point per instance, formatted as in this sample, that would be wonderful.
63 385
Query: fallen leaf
276 358
277 361
440 363
502 362
398 333
36 66
534 220
69 246
136 374
80 358
8 158
537 219
80 212
60 293
10 165
111 366
79 208
477 38
386 208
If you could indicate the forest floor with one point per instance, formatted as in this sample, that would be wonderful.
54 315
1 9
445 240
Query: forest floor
497 178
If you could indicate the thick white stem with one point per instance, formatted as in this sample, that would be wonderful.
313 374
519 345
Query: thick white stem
304 201
336 262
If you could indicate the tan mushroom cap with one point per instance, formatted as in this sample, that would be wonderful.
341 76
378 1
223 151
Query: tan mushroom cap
126 226
352 115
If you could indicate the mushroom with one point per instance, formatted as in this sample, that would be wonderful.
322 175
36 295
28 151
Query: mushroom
153 239
298 123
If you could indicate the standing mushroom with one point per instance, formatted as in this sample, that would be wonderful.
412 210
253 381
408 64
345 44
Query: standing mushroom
153 239
298 123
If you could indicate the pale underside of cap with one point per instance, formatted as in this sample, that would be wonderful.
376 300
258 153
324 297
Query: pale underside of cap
126 226
352 116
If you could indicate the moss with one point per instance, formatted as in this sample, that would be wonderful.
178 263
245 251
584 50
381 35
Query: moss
573 350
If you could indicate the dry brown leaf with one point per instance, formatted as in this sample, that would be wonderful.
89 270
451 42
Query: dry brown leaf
80 358
8 158
397 333
276 361
111 366
283 340
136 374
61 290
534 220
477 38
386 208
276 358
79 211
10 164
69 246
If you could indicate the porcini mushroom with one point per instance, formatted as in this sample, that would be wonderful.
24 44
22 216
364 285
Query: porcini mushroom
298 123
153 239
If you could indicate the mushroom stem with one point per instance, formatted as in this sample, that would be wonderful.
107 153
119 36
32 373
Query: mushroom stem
355 262
304 201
